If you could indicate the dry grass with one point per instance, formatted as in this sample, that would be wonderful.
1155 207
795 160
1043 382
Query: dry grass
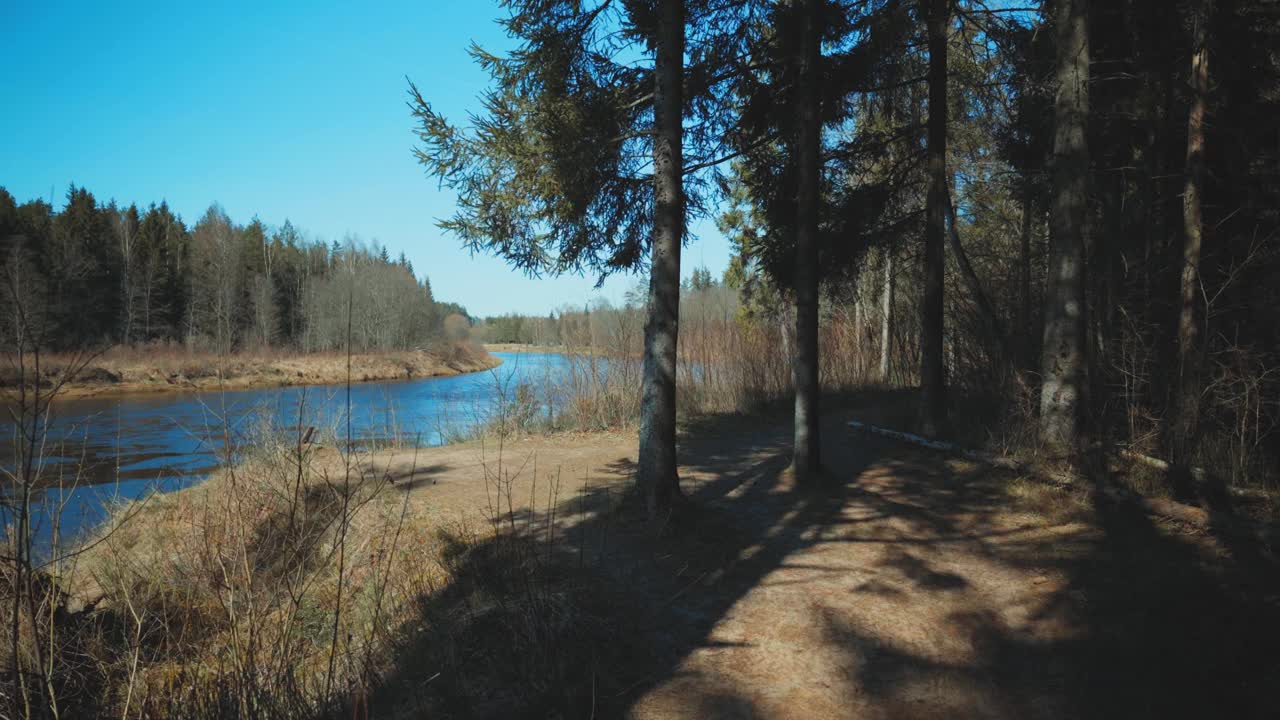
263 591
229 599
727 364
299 584
173 367
309 585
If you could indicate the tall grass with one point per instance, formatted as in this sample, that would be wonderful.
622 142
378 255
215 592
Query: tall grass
266 591
727 362
301 582
262 592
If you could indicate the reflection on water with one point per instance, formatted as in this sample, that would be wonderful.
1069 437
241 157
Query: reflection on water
103 449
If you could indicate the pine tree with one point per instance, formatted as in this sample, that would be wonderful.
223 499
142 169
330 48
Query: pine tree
656 469
1063 364
806 455
82 263
932 367
580 163
789 96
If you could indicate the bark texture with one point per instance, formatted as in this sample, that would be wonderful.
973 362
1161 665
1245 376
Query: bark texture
886 316
932 366
656 473
806 444
1189 315
1062 361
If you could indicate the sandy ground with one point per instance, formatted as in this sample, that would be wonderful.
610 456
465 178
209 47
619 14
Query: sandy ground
910 586
170 372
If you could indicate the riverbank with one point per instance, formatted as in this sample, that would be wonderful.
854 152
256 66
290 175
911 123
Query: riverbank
487 579
553 349
521 348
125 371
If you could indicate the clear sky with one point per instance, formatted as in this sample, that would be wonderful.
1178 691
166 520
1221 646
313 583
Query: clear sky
281 110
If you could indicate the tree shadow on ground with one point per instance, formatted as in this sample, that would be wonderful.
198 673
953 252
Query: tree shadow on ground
1144 624
414 477
905 586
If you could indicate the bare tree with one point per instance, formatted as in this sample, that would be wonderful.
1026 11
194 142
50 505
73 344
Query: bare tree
1186 404
216 293
262 298
126 221
1023 328
886 315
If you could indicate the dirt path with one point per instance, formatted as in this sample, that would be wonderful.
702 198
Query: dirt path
447 484
911 587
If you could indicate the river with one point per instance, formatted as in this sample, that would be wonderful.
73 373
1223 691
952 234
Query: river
103 450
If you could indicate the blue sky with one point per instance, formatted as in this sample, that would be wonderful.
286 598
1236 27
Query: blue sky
283 110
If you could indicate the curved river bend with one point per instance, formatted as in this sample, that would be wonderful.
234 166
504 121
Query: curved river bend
101 450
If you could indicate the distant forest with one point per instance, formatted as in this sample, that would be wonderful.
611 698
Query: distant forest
99 274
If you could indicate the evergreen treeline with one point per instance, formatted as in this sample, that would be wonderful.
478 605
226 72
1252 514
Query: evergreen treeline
98 274
1077 199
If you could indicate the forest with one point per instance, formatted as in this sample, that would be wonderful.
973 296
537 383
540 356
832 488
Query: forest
1071 208
982 418
94 275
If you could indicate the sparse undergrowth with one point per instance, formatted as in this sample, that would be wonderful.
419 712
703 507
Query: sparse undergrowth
302 584
258 593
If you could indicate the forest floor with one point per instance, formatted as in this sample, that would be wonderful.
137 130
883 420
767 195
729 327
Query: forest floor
127 370
912 585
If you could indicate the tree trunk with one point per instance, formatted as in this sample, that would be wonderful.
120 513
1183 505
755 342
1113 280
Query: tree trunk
126 276
859 365
932 368
1025 346
1187 404
1062 362
656 474
806 458
147 293
886 316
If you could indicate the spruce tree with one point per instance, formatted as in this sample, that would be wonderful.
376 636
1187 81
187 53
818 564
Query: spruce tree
581 162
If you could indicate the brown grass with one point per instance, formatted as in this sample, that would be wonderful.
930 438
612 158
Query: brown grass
504 576
498 580
727 364
263 591
170 368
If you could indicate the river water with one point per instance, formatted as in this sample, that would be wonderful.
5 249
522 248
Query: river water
102 450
